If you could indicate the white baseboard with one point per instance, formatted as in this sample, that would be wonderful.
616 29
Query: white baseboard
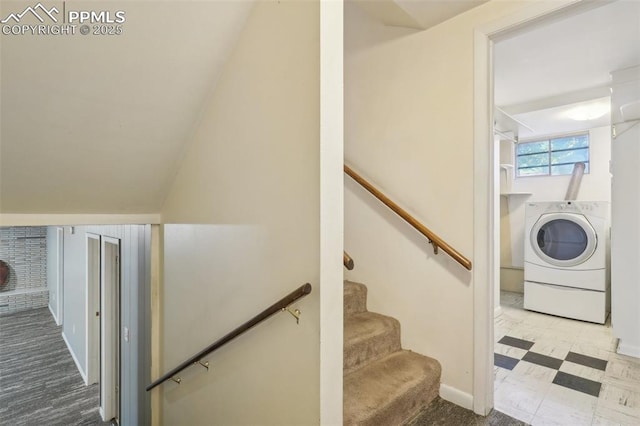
451 394
497 311
75 359
629 350
55 318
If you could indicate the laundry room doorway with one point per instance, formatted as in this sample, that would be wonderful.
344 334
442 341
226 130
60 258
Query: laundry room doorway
554 360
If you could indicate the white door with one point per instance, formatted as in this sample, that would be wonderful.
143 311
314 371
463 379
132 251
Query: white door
60 273
110 329
625 234
93 308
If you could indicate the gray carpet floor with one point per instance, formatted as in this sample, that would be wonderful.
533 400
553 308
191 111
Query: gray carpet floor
39 381
444 413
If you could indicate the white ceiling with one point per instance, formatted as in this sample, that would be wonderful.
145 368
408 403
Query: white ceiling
564 63
98 124
418 14
433 12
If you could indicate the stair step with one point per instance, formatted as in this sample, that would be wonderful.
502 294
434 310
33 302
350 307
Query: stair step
391 390
355 298
367 337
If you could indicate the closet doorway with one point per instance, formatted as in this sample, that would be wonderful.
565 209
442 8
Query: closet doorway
110 328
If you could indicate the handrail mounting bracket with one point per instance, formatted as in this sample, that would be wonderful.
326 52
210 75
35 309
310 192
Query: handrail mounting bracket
205 364
435 246
295 312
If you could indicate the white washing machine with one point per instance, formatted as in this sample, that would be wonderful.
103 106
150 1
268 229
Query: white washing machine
566 259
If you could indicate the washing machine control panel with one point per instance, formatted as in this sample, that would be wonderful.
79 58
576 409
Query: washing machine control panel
596 208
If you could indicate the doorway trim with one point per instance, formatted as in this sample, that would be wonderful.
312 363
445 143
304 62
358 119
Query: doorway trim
484 224
92 307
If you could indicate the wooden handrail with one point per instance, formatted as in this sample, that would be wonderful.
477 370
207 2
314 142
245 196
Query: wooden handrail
347 261
434 240
280 305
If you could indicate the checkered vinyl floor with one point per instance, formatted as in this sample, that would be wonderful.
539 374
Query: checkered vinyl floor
556 371
571 381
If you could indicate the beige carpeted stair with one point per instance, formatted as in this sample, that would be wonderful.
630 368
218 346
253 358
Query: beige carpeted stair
383 384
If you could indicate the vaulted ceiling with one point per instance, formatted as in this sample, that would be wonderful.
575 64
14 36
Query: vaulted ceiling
98 123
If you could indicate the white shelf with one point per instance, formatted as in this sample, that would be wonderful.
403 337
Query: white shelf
508 126
521 194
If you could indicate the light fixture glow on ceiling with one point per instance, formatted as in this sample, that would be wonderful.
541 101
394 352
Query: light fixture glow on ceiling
589 111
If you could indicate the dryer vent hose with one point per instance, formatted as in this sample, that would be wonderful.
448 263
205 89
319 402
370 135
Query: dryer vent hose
574 183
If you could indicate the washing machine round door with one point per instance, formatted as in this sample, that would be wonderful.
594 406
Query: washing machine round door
563 239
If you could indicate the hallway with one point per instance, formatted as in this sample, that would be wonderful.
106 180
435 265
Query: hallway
39 382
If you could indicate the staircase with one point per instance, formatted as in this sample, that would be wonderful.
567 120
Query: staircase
383 384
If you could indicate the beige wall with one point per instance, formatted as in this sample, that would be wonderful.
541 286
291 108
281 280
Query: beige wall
512 279
254 167
409 129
